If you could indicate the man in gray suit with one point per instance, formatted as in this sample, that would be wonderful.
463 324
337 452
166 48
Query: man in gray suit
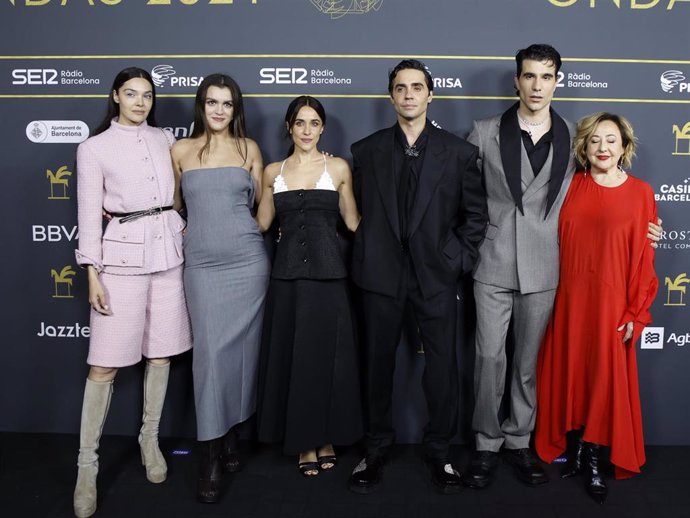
525 158
526 162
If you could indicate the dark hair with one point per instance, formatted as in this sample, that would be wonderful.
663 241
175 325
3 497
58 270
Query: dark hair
538 52
236 128
413 64
293 110
113 109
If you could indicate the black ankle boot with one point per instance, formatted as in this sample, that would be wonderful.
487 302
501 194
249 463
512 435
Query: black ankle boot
230 456
573 463
594 482
210 471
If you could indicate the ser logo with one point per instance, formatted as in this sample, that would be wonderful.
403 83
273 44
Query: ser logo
283 76
34 76
652 338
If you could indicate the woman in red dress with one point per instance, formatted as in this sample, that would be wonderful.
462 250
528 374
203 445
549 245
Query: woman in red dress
587 385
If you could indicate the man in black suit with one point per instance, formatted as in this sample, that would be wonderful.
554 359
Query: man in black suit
424 214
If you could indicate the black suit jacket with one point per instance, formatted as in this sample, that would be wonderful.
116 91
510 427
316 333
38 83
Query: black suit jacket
447 223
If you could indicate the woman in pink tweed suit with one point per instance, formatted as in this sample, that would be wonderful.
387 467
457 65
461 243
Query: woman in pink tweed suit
134 269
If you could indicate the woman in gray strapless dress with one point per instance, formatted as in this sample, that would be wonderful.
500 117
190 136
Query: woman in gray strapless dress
226 273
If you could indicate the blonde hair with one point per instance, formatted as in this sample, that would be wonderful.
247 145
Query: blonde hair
586 127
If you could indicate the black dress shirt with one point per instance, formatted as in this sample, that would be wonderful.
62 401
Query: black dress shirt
539 152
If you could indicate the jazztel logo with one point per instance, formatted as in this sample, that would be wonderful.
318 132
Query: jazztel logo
63 282
57 132
162 74
675 290
672 78
75 330
58 181
652 338
682 139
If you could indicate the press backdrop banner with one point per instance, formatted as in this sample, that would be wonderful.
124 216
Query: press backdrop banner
58 59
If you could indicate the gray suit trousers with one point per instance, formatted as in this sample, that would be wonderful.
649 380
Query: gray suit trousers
496 307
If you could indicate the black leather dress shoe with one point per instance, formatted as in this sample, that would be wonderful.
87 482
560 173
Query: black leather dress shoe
481 470
526 466
444 477
367 475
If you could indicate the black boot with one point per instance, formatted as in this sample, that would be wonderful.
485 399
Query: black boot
594 482
210 472
230 456
573 463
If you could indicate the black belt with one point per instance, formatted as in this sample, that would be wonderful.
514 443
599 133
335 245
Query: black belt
130 216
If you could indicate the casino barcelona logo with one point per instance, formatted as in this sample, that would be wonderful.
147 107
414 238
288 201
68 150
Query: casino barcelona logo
62 281
675 289
339 8
682 139
59 182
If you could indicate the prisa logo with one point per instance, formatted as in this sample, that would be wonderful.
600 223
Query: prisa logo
162 74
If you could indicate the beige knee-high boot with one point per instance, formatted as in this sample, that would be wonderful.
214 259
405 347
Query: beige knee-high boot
155 386
93 413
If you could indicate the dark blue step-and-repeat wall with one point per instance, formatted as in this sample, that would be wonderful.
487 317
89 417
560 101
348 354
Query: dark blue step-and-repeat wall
57 61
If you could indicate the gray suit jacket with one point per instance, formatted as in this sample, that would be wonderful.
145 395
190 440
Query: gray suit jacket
520 250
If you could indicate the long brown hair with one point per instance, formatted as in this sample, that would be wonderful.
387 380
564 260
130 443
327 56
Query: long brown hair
236 129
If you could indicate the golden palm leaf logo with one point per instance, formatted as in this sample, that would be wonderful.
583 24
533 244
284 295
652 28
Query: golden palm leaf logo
682 134
675 290
60 178
63 282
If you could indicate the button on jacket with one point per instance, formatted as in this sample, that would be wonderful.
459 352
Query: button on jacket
127 169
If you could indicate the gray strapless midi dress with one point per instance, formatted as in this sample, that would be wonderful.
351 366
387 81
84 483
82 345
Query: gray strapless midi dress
226 277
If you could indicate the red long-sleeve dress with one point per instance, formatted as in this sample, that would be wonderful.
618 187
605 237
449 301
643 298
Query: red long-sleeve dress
586 375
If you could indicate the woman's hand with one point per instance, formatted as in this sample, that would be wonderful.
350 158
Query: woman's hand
628 331
654 233
97 297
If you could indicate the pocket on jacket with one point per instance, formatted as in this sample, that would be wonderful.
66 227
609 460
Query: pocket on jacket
452 250
123 245
177 227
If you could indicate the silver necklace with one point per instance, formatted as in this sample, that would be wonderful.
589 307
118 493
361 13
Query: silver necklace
530 125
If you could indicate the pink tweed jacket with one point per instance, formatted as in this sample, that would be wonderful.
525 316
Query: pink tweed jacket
127 169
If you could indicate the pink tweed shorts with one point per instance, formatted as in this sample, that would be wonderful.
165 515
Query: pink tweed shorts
149 318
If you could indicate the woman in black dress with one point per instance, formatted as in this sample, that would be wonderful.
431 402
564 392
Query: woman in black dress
309 394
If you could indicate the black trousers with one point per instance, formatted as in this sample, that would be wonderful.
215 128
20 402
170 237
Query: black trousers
436 319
